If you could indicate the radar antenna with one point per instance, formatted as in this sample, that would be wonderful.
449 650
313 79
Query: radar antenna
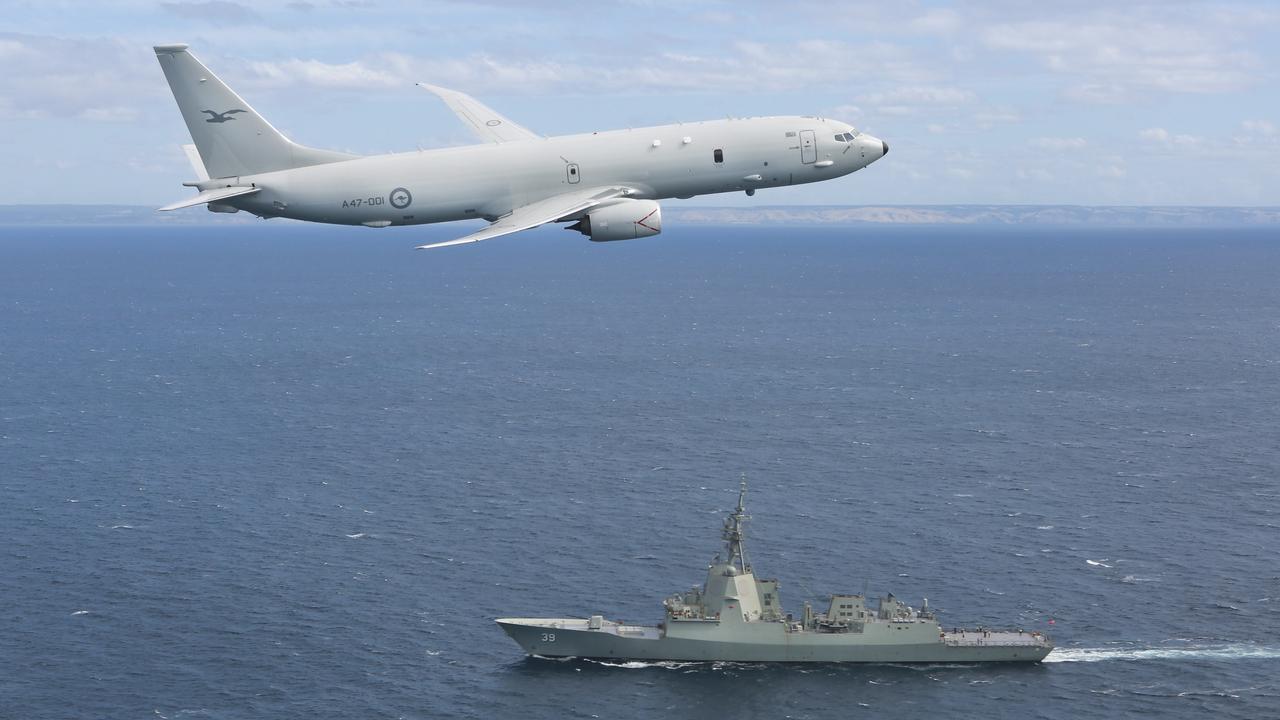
734 535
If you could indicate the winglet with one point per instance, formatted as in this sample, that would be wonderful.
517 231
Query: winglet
482 119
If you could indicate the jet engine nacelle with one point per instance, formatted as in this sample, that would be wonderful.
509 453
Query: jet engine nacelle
621 220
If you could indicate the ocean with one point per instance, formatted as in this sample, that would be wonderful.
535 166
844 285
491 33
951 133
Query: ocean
277 471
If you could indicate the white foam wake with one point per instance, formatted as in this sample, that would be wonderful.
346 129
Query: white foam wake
1206 652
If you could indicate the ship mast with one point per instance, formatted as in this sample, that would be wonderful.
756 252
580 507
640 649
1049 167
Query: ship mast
733 533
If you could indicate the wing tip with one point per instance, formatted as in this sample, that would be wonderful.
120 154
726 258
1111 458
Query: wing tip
446 243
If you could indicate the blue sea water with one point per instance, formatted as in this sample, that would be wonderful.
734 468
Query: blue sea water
292 472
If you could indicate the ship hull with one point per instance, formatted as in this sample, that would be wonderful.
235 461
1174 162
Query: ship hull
560 638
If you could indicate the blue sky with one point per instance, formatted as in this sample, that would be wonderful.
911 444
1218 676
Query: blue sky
1081 102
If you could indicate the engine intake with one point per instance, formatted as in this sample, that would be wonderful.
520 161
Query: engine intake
621 220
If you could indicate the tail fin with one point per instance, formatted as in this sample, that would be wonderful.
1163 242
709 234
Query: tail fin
232 139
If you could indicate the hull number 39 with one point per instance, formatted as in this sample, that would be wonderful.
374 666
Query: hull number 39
548 637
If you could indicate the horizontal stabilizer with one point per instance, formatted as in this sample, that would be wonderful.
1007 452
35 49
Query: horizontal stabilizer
193 157
214 195
538 213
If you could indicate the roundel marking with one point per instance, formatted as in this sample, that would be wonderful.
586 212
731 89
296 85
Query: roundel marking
493 123
400 198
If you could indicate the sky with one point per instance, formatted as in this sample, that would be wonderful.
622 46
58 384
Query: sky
996 101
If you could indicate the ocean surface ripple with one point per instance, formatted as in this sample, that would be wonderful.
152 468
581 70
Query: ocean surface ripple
288 472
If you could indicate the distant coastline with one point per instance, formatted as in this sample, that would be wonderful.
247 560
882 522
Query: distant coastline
1043 215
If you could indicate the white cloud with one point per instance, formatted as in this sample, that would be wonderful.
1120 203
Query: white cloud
218 12
847 112
1059 143
920 95
1257 136
1164 137
747 67
114 113
990 117
326 75
1154 134
938 21
1099 93
49 77
1264 128
1109 55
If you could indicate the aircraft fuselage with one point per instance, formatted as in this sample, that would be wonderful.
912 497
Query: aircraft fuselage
484 181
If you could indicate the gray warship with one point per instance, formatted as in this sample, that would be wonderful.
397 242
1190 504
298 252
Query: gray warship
737 617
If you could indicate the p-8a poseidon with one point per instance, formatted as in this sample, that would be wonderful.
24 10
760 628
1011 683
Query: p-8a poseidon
606 184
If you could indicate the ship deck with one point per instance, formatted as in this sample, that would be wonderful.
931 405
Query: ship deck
994 638
609 627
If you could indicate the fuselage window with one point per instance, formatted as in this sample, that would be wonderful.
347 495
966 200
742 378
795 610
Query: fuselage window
718 155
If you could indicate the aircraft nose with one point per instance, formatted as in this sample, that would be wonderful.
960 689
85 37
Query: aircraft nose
871 144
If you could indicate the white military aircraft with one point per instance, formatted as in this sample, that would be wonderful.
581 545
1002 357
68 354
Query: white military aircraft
607 183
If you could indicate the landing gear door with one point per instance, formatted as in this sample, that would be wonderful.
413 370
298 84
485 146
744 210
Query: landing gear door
808 147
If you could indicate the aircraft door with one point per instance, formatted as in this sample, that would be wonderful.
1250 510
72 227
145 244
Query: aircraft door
572 174
808 147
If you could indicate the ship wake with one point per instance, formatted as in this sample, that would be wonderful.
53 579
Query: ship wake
1204 652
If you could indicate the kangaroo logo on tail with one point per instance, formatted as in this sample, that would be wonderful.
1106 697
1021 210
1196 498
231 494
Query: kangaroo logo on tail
221 117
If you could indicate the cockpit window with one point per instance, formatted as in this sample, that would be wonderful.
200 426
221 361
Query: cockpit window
842 138
848 137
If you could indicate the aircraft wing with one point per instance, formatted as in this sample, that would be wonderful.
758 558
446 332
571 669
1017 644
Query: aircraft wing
212 196
538 213
483 120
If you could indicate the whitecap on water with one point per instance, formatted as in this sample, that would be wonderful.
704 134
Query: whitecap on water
80 612
643 664
356 536
1098 563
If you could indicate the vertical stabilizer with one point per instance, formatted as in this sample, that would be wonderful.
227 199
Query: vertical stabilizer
231 137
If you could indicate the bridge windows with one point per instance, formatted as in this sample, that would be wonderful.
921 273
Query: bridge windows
718 155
